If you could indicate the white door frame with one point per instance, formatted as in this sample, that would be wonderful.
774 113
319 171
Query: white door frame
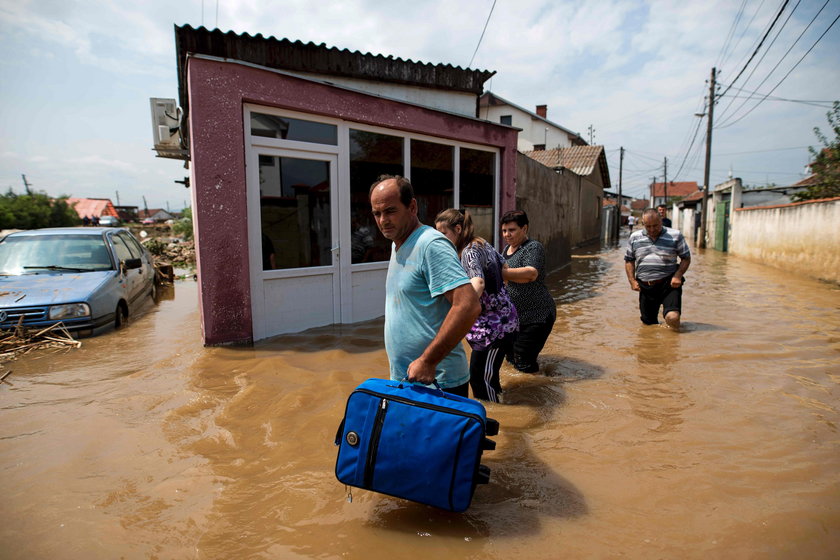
260 277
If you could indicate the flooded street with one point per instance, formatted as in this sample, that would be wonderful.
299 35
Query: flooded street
717 442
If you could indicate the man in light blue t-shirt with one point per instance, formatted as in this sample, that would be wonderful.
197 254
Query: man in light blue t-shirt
430 304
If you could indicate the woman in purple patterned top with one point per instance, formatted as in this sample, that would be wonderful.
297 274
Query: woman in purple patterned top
495 329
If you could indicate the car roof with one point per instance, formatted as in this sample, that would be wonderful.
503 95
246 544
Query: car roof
65 231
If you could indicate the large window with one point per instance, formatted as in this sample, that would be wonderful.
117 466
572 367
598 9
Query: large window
371 154
295 212
433 178
478 184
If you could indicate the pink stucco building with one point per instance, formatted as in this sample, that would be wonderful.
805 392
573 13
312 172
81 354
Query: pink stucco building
284 140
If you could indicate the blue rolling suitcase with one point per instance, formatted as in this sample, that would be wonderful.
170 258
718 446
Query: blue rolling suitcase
414 442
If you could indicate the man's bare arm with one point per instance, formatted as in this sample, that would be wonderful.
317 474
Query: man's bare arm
630 269
465 310
678 275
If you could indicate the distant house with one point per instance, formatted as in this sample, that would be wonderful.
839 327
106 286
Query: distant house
536 131
93 207
564 198
127 213
612 196
660 193
772 196
638 206
156 214
589 162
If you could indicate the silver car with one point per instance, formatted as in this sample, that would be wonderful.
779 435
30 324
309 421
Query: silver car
89 278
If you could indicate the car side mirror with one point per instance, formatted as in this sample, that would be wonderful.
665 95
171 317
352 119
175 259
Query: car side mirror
130 264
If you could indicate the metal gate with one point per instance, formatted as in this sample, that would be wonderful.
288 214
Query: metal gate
722 226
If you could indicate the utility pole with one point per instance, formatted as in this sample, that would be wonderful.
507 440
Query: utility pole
26 184
146 206
703 208
652 190
665 183
620 171
118 198
591 130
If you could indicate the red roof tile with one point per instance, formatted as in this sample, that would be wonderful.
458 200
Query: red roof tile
92 207
693 196
675 188
581 160
808 181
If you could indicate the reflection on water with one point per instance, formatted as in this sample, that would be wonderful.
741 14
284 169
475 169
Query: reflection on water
719 441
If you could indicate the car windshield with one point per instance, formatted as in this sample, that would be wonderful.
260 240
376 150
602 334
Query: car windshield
31 254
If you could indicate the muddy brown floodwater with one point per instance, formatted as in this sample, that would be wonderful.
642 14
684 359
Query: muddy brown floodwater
717 442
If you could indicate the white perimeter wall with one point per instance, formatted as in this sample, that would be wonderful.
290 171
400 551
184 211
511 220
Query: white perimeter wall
803 238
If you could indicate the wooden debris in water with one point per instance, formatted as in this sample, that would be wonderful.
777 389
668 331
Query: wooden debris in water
21 340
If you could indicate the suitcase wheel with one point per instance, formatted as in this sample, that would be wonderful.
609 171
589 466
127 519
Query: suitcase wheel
488 444
491 427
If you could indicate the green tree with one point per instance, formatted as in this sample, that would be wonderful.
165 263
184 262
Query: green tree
35 210
826 161
184 226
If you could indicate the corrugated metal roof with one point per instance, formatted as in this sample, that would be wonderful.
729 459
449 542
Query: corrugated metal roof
283 54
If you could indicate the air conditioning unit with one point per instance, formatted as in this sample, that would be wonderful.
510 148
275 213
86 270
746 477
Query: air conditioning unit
166 123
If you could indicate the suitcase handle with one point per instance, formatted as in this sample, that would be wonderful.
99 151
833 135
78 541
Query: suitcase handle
434 382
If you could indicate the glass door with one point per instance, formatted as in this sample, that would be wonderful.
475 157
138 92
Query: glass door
293 233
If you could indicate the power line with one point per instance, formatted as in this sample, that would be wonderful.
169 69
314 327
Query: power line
763 151
829 101
764 54
767 77
744 32
482 33
822 104
696 130
731 33
785 76
769 29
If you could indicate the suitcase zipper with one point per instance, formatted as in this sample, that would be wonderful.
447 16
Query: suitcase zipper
373 448
425 405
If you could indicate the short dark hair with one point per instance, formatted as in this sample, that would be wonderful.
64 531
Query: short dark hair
403 184
661 206
518 216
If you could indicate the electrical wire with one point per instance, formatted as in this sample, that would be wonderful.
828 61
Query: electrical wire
696 130
731 33
762 151
727 125
764 54
822 104
724 118
482 33
825 101
761 42
743 33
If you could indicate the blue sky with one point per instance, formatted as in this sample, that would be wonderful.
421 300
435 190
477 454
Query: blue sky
77 78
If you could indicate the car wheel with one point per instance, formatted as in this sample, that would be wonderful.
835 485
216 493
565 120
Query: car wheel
153 291
121 316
